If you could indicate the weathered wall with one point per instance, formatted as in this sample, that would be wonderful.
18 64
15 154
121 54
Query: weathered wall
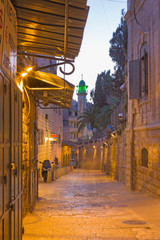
120 158
29 153
143 127
147 179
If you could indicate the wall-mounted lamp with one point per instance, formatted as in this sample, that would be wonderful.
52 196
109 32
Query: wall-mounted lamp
105 144
27 71
20 80
120 116
123 86
24 74
49 139
114 134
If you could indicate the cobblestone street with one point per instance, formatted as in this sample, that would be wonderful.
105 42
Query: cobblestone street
89 205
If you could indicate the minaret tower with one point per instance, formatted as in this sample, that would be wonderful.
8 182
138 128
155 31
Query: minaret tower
82 93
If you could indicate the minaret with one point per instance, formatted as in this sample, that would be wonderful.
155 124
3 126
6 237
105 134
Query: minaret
82 93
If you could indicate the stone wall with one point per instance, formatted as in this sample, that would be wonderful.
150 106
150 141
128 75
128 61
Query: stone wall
120 158
49 121
28 154
143 125
147 179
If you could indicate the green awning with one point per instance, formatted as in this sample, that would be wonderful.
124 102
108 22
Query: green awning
50 87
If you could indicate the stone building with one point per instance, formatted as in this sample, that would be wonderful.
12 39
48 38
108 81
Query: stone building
73 121
143 126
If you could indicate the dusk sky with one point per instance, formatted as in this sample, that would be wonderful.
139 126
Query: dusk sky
103 19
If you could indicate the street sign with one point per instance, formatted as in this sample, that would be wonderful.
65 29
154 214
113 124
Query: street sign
53 136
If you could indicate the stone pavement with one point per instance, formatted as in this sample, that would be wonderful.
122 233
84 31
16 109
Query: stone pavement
86 204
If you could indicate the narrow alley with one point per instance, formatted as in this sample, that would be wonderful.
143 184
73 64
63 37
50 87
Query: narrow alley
87 204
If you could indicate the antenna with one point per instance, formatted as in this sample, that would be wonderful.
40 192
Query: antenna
81 76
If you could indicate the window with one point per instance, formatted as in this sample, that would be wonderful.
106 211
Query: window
144 71
65 123
75 113
145 157
138 75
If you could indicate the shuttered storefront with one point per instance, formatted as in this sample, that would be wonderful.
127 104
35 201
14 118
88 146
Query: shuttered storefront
10 160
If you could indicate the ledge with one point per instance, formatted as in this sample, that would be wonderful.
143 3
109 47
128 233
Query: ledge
148 127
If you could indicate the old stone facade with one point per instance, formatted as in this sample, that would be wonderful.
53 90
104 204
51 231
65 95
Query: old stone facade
143 126
73 122
29 153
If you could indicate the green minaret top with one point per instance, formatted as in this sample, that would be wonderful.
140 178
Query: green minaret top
82 87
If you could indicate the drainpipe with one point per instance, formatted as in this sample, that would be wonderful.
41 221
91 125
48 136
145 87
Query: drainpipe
132 158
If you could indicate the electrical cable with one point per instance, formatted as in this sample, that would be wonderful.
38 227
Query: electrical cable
29 105
116 1
105 14
134 11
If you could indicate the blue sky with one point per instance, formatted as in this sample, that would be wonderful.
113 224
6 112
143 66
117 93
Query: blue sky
103 19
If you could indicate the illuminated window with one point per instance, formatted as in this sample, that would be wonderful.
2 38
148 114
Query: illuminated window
144 157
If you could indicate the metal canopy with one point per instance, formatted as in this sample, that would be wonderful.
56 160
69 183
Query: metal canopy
69 143
50 88
51 27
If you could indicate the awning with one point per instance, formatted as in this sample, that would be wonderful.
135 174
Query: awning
51 27
69 143
50 88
